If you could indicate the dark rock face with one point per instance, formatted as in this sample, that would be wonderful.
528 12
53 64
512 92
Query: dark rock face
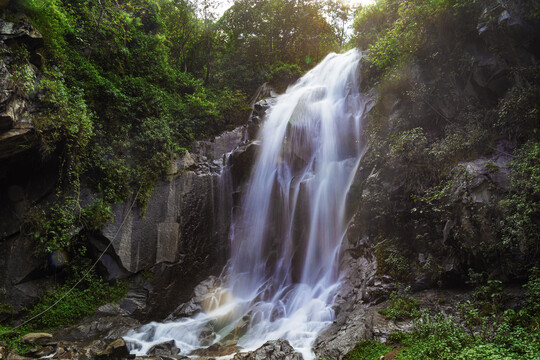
271 350
26 177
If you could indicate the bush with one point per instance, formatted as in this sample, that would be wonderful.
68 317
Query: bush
402 307
519 226
281 75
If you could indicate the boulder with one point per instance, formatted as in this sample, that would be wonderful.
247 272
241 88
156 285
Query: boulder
241 162
41 351
38 339
271 350
116 349
195 304
166 348
15 356
105 328
216 350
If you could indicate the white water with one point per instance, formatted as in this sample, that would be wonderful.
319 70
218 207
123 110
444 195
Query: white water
285 241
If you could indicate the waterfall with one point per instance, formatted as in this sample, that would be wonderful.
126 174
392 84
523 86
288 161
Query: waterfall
282 276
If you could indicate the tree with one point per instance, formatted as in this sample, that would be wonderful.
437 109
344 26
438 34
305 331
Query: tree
181 27
339 14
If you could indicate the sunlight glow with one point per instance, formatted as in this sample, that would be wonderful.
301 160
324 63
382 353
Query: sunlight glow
223 5
360 2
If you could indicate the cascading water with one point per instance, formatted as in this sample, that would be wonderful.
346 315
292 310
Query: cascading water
285 240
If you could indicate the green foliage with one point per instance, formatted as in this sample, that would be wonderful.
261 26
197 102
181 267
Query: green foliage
489 297
436 337
281 75
80 302
22 73
519 227
13 339
69 306
395 31
402 307
508 335
409 145
533 294
519 113
491 167
439 337
261 35
367 350
55 227
392 259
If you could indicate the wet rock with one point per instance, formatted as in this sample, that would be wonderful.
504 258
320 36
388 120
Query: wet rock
41 352
116 349
166 348
216 350
242 161
163 357
260 107
105 328
207 335
220 145
195 304
271 350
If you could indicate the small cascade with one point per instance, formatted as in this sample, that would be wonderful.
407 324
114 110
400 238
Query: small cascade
282 276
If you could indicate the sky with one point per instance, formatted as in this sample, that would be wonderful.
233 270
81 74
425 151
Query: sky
225 4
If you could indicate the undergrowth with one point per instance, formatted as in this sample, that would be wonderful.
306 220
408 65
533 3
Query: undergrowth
501 334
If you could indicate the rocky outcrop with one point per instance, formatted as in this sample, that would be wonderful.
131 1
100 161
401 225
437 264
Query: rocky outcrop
181 237
186 215
17 81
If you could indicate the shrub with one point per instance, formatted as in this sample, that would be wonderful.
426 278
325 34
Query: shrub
401 307
519 226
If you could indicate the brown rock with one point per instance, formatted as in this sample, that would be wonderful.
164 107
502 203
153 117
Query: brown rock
37 339
41 352
117 348
15 356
